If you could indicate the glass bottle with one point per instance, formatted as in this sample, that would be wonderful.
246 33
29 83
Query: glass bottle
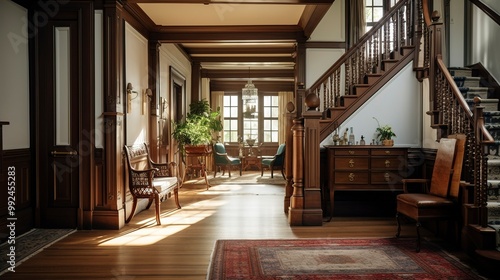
362 141
351 138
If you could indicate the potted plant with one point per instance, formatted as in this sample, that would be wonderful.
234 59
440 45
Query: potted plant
385 134
196 132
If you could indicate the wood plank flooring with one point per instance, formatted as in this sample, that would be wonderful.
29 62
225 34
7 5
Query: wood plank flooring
181 247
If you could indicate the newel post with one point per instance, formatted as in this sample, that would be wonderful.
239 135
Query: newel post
297 199
290 115
436 38
307 164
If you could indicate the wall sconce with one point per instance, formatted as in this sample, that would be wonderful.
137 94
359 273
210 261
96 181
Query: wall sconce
148 93
130 92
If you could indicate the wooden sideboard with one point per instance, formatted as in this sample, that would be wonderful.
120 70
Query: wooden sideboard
365 168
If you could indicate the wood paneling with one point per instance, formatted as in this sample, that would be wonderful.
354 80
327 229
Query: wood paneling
20 159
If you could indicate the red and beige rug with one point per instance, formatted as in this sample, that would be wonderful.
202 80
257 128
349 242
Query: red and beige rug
333 259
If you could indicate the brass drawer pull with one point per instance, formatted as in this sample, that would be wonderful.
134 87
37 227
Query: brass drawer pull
387 163
387 152
351 177
351 163
351 152
387 177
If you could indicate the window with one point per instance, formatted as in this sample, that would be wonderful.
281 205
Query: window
251 120
230 113
256 119
270 118
375 9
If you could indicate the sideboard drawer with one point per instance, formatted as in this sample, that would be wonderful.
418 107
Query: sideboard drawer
351 163
352 152
386 177
355 177
388 152
388 162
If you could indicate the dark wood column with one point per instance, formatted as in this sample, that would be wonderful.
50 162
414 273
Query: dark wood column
154 85
195 81
109 211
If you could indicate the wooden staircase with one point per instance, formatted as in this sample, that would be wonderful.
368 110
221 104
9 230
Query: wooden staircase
483 242
362 92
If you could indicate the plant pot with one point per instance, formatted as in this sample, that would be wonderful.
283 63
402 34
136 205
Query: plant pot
198 149
388 142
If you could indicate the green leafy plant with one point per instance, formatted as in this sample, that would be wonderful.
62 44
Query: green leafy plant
384 132
198 127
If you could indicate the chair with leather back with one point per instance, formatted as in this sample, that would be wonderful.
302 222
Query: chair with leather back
276 161
223 161
439 199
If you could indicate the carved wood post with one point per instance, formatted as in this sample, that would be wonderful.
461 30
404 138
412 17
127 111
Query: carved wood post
289 155
111 212
297 199
435 30
480 165
153 84
313 213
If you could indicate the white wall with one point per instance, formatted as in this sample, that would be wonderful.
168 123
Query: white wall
485 42
171 56
493 4
14 76
457 36
136 72
330 29
332 26
398 104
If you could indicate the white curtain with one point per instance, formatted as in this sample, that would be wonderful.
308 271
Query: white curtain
358 21
217 101
283 98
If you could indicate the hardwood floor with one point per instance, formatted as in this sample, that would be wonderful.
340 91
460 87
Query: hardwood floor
181 247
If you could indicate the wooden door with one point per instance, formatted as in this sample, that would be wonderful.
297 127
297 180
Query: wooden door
58 121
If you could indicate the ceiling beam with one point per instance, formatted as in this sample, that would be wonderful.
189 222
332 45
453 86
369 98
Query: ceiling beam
240 50
245 74
262 86
219 34
229 59
208 2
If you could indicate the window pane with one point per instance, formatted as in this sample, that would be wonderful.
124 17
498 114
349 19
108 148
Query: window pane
267 112
378 13
378 2
275 112
274 136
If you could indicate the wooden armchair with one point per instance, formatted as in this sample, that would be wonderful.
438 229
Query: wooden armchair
438 200
278 160
223 160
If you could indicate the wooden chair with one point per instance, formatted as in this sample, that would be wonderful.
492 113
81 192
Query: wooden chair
438 201
223 160
278 160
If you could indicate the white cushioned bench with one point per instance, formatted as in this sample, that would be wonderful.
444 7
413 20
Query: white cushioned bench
150 180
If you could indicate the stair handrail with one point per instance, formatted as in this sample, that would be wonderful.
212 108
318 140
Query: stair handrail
367 54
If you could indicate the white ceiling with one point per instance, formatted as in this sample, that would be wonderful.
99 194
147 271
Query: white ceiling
222 14
236 36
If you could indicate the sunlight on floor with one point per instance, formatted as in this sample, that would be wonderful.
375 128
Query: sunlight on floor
171 224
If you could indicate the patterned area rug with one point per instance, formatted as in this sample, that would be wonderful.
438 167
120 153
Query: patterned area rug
29 244
333 259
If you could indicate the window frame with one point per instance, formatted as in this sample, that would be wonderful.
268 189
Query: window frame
260 122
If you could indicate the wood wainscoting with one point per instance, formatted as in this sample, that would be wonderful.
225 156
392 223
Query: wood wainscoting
24 205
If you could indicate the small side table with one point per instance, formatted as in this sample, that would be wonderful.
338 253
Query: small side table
251 161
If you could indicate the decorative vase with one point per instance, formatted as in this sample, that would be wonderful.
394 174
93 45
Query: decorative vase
388 142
